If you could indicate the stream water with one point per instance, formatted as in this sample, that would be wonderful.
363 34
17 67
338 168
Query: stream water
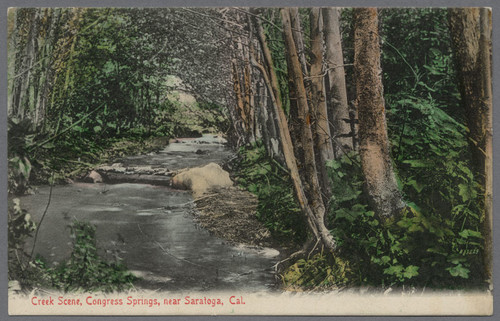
151 228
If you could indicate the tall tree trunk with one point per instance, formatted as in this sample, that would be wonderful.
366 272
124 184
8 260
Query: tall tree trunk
299 38
311 183
294 125
485 58
470 30
248 95
464 30
321 129
24 61
316 225
336 90
12 55
48 68
374 143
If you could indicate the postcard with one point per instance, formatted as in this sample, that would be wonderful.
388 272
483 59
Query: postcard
250 161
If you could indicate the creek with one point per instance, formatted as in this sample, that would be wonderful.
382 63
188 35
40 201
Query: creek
151 228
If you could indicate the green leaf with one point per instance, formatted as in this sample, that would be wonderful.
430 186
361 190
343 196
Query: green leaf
48 145
416 185
410 271
418 163
394 270
459 271
333 164
466 233
467 192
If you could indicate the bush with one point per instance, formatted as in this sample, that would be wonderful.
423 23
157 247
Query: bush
84 271
321 270
424 247
277 207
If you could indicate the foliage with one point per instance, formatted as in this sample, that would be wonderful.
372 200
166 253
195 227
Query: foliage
277 207
320 271
102 75
422 248
417 57
84 271
20 137
20 227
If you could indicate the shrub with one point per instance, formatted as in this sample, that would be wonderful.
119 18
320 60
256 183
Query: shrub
277 207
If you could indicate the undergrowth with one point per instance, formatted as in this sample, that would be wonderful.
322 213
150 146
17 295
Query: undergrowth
437 240
277 208
84 271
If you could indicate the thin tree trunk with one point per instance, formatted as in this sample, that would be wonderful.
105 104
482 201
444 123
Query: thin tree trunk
12 54
374 143
336 91
299 38
321 129
320 232
312 191
22 75
485 50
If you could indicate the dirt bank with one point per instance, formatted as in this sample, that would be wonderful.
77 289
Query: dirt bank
229 213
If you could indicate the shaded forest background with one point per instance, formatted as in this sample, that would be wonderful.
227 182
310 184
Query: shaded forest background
364 133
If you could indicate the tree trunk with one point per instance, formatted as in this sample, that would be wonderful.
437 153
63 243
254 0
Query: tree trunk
299 38
464 30
321 129
470 30
316 226
485 50
374 143
294 125
336 90
311 183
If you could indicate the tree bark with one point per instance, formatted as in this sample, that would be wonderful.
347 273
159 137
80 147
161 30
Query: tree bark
336 90
470 30
316 226
299 38
294 125
374 143
311 183
485 49
464 30
321 129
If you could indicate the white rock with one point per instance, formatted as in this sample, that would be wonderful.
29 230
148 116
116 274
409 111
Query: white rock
201 179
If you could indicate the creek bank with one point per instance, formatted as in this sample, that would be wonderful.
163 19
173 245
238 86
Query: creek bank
229 213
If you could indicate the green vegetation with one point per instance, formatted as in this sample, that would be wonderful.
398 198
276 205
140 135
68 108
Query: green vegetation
437 242
102 86
268 180
83 271
422 248
87 85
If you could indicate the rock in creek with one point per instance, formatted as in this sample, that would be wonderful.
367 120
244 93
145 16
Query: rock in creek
93 177
201 179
